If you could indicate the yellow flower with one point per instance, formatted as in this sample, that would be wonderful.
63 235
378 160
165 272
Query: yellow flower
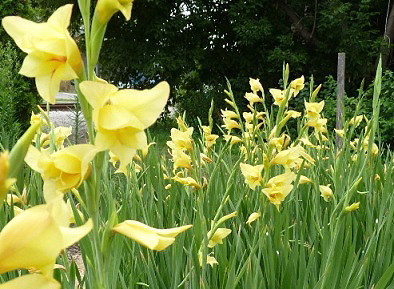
60 133
232 138
304 180
279 95
279 187
290 157
352 207
188 181
107 8
182 140
52 55
218 236
5 182
152 238
229 124
255 85
253 217
37 281
34 238
210 259
313 109
252 98
356 120
181 160
120 116
340 132
229 114
297 84
62 170
326 192
252 174
210 140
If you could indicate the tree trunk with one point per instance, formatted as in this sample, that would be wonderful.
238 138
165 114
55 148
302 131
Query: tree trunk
388 39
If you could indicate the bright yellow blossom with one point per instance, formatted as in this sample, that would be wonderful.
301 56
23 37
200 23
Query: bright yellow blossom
326 192
188 181
352 207
5 182
252 174
182 140
120 116
279 187
52 55
152 238
210 259
297 85
253 217
229 124
60 133
62 170
279 95
218 236
107 8
252 98
229 114
255 85
34 238
288 158
313 110
232 138
37 281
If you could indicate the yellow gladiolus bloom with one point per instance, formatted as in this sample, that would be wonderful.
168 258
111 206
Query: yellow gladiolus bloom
120 116
60 132
313 109
255 85
279 95
232 138
152 238
188 181
279 187
218 236
62 170
5 182
252 174
107 8
182 140
252 98
34 238
253 217
290 157
352 207
210 140
229 114
36 281
210 259
326 192
297 85
52 55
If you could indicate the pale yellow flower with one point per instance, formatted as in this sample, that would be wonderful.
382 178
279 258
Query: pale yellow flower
279 95
279 187
252 175
152 238
313 110
218 236
252 98
52 55
188 181
36 281
5 182
356 120
34 238
229 114
210 140
182 140
255 85
253 217
229 124
297 85
340 132
106 8
210 259
352 207
232 138
304 180
289 158
62 170
326 192
60 133
120 116
181 159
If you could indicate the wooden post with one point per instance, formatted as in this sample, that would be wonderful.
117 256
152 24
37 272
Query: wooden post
340 95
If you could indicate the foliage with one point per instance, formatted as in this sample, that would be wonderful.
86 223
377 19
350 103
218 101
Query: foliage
195 44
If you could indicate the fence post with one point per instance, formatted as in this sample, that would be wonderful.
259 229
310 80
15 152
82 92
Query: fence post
340 95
